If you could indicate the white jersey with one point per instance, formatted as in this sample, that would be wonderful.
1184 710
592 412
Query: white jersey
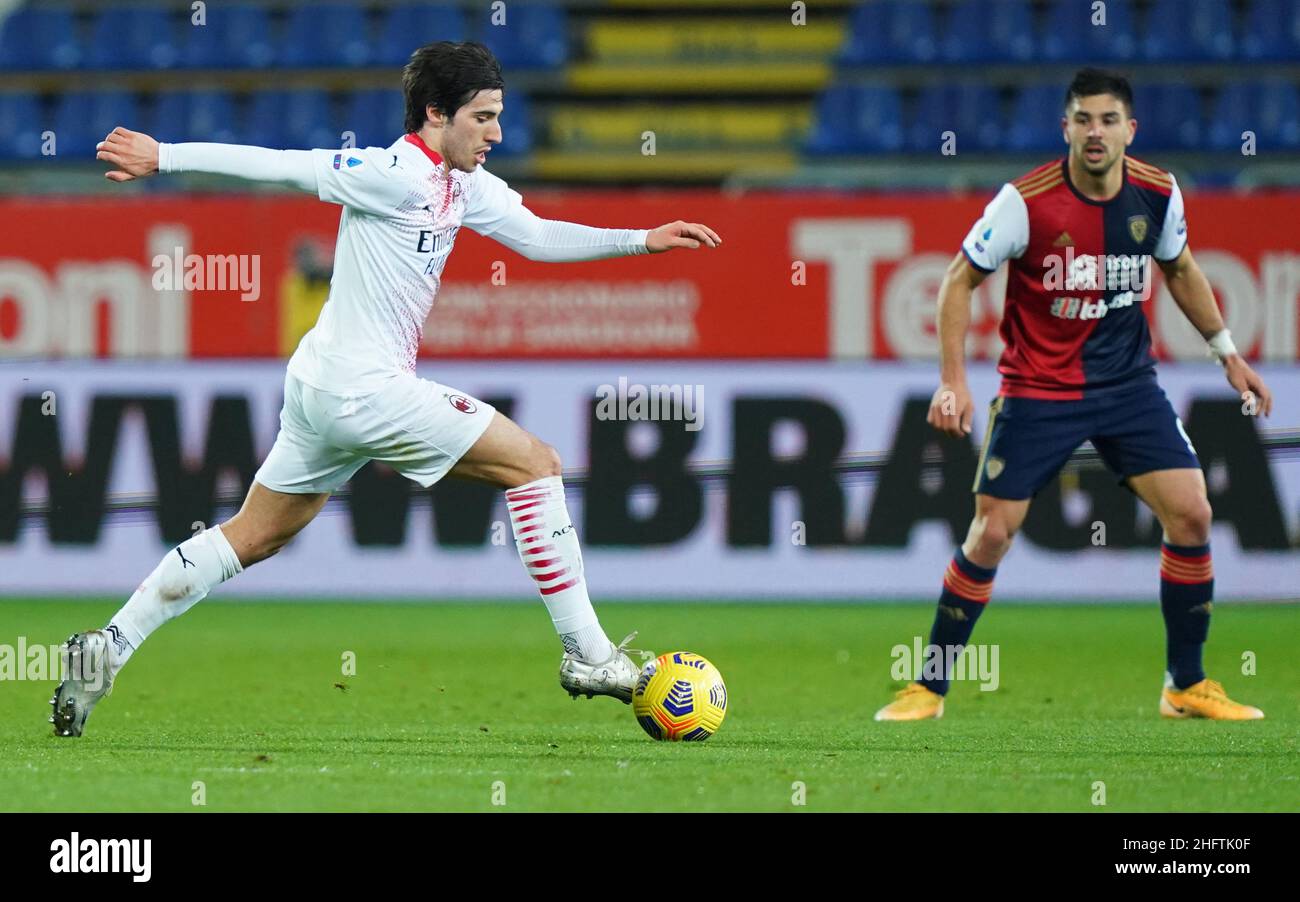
402 208
401 211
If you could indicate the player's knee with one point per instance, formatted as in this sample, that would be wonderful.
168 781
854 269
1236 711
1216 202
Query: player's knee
991 538
544 461
261 548
1190 524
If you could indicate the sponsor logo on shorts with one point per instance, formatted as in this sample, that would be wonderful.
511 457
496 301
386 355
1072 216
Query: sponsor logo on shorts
462 403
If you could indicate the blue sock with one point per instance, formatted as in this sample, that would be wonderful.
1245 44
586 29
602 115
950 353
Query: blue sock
966 591
1186 599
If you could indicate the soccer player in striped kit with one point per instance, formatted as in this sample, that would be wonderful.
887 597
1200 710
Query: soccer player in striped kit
351 392
1078 235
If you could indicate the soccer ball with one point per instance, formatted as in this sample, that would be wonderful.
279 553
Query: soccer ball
680 697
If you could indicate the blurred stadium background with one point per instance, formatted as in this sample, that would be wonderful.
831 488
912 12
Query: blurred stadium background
841 148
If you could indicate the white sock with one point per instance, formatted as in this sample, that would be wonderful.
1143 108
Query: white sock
184 577
548 546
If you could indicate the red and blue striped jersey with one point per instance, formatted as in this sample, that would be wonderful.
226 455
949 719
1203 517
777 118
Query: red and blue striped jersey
1079 270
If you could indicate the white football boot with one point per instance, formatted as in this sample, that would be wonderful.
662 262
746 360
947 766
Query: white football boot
86 680
615 676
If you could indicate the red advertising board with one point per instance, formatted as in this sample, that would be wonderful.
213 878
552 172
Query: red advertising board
799 275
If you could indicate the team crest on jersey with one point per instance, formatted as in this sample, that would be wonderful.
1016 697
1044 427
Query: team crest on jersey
1137 227
462 403
994 467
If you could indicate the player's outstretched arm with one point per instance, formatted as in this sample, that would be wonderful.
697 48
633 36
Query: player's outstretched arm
556 241
137 155
1192 292
951 407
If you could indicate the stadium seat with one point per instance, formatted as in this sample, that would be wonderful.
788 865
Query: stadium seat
1270 110
412 25
1178 31
39 39
1231 114
212 118
1036 120
516 126
1069 35
168 117
1278 109
989 31
133 38
327 34
302 119
1272 31
852 119
21 124
890 31
374 116
971 111
83 118
236 36
533 37
1169 118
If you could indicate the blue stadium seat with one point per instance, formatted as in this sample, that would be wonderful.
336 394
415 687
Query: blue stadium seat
1195 32
1036 120
264 125
133 38
1169 118
852 119
299 119
236 36
1278 108
971 111
39 39
375 116
168 118
413 25
989 31
890 31
1272 31
21 124
516 127
533 37
1232 113
212 118
1270 110
1069 35
83 118
327 34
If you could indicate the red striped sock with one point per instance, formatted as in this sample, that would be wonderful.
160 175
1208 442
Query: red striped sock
548 547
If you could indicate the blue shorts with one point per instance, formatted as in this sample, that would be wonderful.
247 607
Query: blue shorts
1028 440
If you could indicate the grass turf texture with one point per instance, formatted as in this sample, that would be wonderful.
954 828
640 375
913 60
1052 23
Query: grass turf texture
447 699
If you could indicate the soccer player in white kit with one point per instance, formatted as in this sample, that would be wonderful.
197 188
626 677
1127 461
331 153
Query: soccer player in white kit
351 393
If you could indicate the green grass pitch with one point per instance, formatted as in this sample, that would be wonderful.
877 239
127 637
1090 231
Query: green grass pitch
451 700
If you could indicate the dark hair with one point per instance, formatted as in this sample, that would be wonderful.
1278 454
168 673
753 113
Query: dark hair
446 75
1089 82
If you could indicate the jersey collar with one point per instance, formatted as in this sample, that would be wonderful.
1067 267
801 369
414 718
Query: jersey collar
1065 170
433 155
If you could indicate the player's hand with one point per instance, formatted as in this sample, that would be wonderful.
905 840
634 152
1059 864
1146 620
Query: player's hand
680 234
135 154
1256 398
951 409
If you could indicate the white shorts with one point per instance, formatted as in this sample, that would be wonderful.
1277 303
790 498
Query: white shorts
417 427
